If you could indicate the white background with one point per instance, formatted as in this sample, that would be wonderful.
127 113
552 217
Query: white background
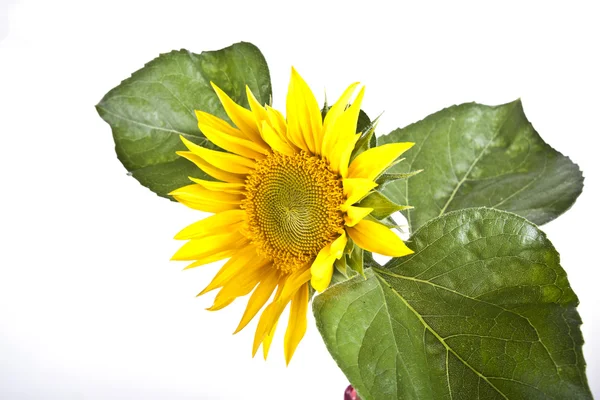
91 307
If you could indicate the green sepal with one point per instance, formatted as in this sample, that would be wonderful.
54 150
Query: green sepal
356 260
390 223
349 246
366 141
382 206
340 266
368 260
386 178
363 124
373 141
325 109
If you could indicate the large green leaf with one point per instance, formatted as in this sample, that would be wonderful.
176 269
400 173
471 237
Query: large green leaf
482 310
148 111
480 156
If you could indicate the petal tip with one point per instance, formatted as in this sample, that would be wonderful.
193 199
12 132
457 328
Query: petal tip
255 349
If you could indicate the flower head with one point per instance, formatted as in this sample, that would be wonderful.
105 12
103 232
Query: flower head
284 204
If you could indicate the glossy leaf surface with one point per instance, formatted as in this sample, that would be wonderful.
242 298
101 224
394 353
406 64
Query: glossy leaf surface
150 110
480 156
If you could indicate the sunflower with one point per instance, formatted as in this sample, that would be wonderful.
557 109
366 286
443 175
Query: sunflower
284 202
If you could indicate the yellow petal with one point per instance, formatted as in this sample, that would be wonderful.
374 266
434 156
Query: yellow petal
268 337
277 121
324 271
304 118
322 268
212 258
294 282
219 124
241 117
342 132
266 344
198 192
371 163
241 284
243 257
242 147
296 323
340 157
225 161
266 323
197 248
210 206
220 186
271 314
258 299
218 223
260 114
355 214
332 116
338 245
275 141
211 170
355 189
378 238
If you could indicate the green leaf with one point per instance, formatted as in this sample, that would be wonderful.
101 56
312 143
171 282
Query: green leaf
384 179
364 122
150 110
340 266
475 155
381 205
482 310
